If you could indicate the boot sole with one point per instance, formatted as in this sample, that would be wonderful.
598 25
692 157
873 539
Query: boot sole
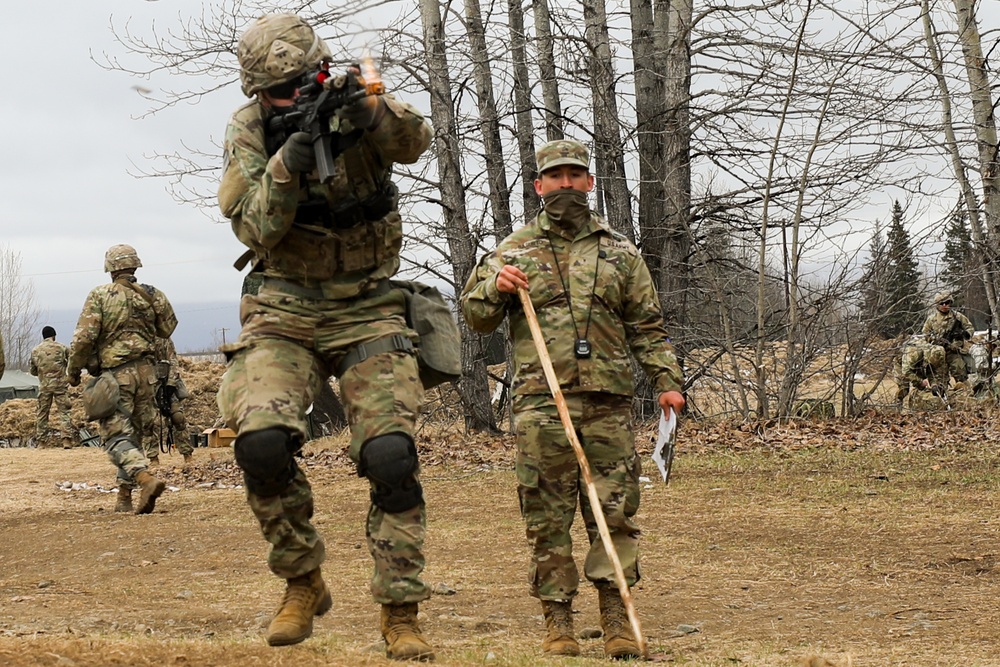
147 506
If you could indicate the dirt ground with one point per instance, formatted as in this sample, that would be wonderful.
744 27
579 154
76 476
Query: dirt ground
866 542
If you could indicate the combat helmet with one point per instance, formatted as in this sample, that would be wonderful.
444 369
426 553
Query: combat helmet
120 257
942 296
275 49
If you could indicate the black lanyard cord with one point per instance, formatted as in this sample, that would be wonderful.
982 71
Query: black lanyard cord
566 289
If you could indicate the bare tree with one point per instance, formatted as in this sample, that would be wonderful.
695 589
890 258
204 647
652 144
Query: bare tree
473 386
19 318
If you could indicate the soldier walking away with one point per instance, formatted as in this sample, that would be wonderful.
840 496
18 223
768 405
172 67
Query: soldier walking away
114 341
326 251
596 305
953 331
48 364
170 394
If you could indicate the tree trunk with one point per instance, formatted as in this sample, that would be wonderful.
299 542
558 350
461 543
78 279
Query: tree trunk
489 124
547 70
982 108
473 387
524 128
608 154
675 272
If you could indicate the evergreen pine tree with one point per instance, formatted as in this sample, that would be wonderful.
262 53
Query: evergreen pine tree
891 289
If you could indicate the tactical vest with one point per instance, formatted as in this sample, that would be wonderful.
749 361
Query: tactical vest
335 232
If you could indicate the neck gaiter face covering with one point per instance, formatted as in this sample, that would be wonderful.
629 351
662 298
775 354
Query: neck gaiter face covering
567 208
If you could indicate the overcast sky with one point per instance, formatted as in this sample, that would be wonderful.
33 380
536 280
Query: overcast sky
71 139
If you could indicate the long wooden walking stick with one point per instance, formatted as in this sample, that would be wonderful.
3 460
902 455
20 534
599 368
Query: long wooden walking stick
581 457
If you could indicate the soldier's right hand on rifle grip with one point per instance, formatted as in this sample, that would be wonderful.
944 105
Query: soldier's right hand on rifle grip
298 153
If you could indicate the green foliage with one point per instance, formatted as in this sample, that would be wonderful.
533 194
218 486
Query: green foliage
891 296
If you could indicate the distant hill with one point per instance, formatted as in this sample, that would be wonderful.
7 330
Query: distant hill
200 326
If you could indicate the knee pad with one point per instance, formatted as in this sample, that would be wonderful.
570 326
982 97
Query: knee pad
390 464
265 456
117 445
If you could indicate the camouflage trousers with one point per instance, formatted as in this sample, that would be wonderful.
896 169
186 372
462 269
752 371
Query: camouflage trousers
119 432
550 485
46 398
288 347
958 365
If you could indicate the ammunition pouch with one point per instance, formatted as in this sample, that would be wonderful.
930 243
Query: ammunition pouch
440 343
101 396
318 213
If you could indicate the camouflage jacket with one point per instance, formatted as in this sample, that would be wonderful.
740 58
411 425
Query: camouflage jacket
616 310
262 200
118 325
922 361
951 326
48 363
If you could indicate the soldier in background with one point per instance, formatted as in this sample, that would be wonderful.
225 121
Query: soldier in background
326 252
170 394
115 335
596 305
48 364
922 367
953 331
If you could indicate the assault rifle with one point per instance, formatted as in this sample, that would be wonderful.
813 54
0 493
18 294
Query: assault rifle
320 97
164 399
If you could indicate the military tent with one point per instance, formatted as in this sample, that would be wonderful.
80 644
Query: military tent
17 384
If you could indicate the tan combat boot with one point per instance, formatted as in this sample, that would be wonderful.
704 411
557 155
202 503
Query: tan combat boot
305 597
188 459
619 641
150 489
559 639
401 631
124 503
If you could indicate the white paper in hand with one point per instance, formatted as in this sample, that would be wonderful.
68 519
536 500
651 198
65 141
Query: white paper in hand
662 453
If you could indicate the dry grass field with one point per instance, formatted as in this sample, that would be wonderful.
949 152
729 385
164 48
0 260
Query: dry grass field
869 542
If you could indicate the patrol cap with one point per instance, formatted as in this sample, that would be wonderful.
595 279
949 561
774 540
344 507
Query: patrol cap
562 151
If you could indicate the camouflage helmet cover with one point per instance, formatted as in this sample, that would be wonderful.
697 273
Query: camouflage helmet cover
121 256
276 48
562 151
942 296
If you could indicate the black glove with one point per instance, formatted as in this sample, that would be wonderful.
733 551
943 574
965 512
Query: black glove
298 153
364 113
73 379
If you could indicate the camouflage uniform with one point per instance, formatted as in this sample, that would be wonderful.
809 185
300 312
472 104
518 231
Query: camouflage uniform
48 363
117 329
920 361
954 329
170 387
326 252
609 287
